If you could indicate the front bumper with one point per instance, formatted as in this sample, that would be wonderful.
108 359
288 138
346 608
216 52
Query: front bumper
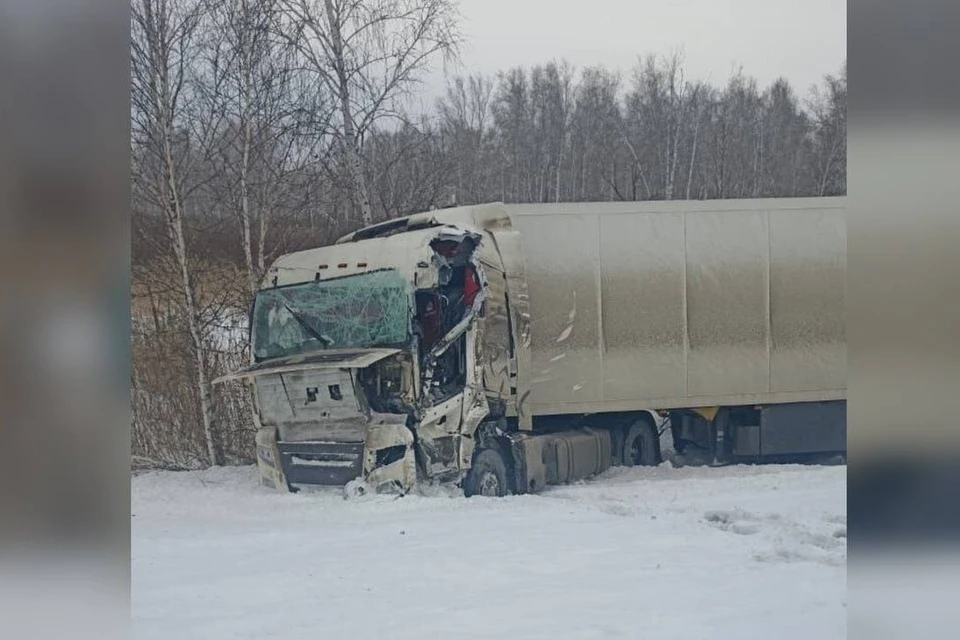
321 463
384 462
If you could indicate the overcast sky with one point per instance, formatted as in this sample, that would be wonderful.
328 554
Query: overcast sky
799 39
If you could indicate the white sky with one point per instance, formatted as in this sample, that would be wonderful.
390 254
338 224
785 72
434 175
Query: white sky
801 40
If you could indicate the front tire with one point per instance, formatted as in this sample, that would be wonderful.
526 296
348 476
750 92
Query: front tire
488 476
641 446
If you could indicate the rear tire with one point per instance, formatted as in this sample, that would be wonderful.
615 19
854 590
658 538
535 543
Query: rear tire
641 446
488 476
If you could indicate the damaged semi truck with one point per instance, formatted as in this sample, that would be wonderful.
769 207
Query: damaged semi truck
508 347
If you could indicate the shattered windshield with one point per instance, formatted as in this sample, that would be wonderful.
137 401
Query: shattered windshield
364 310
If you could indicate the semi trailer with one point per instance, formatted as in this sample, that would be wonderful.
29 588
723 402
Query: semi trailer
508 347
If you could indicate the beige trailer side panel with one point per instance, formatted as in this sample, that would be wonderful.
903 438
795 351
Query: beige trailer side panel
564 333
634 330
807 291
672 304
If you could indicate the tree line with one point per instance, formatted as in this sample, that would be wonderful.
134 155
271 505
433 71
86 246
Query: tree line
260 127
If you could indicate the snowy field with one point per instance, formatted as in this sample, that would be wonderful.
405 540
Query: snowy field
735 552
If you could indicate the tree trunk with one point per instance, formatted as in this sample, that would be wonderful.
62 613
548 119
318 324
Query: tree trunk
351 146
556 196
175 223
675 149
693 154
262 244
245 207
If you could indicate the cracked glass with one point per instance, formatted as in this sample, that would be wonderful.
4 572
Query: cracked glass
360 311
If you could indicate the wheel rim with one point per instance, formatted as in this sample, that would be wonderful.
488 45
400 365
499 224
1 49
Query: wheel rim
489 484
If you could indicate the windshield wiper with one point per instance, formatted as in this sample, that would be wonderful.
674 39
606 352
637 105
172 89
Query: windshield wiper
306 325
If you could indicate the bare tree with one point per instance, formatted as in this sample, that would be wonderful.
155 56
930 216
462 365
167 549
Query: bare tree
264 105
829 107
657 114
369 54
163 45
782 142
699 97
512 118
464 113
410 170
596 126
551 88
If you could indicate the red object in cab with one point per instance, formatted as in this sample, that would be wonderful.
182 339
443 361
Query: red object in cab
471 285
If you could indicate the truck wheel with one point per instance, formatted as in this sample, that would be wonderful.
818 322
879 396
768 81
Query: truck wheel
679 444
640 446
488 476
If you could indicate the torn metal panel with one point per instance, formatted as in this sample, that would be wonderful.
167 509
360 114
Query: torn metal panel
467 321
389 459
494 348
268 459
436 431
509 246
476 405
443 428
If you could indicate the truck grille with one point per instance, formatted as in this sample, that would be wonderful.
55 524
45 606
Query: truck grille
323 463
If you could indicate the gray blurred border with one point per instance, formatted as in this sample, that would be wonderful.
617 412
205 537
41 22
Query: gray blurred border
64 253
904 269
904 318
64 318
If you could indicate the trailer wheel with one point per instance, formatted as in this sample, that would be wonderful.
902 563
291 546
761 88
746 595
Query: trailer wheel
487 476
641 445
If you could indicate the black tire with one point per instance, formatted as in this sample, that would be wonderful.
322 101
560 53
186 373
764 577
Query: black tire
616 446
641 446
679 444
488 476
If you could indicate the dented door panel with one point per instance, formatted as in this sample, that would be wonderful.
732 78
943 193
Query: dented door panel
508 243
437 435
390 460
495 347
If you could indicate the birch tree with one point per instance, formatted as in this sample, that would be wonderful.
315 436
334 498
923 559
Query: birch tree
596 126
511 114
464 124
251 83
829 107
782 142
162 50
657 115
551 104
368 54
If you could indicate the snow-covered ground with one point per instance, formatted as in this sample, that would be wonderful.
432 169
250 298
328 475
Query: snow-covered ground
735 552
